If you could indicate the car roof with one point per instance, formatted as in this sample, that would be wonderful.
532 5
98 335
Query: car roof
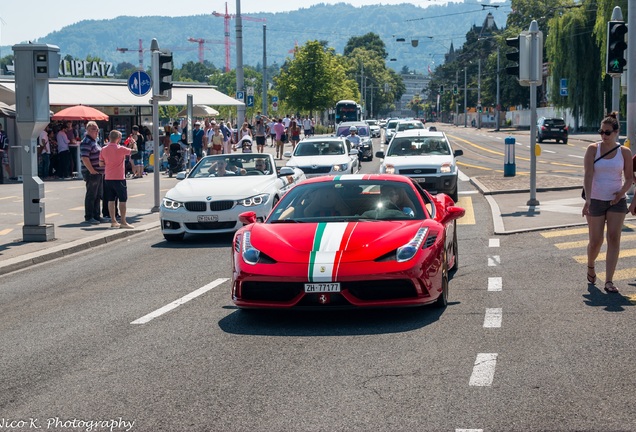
353 123
323 138
419 133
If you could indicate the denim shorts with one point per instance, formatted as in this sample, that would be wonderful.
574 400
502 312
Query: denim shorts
600 208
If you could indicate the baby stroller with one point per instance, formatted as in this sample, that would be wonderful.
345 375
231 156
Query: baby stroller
175 160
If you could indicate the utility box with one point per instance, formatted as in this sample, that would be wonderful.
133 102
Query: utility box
510 167
35 64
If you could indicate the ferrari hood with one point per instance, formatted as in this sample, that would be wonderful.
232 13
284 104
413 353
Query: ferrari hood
346 241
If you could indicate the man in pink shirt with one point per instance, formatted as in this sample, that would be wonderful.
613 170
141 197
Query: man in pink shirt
113 159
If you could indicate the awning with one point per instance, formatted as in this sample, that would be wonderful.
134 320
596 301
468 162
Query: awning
116 93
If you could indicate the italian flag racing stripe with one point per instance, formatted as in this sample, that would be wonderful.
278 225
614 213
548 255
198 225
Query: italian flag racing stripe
330 240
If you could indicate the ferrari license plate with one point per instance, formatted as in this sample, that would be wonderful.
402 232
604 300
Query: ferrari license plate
207 218
322 287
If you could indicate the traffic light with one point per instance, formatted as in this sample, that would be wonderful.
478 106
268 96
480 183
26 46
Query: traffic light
162 74
521 57
455 89
616 47
479 108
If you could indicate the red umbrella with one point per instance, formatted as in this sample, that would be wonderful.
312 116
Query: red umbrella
79 112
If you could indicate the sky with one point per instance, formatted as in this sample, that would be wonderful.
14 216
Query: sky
22 21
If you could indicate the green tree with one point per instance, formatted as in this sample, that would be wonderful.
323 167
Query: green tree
570 49
370 41
314 80
195 71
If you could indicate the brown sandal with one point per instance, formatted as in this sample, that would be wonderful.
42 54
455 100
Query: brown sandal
591 278
610 288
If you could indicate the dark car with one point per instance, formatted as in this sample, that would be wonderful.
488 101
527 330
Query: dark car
552 129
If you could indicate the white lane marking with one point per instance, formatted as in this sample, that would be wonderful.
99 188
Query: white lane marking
492 319
483 370
493 243
469 430
461 176
548 151
494 260
577 156
494 284
179 302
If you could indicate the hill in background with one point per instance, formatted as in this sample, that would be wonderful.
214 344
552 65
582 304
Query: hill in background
434 28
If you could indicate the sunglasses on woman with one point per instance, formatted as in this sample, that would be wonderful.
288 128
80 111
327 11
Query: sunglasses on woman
605 132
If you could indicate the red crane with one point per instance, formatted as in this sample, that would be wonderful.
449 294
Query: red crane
201 43
227 18
141 53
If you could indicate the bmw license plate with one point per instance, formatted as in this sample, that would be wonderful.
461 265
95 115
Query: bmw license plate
207 218
322 287
555 129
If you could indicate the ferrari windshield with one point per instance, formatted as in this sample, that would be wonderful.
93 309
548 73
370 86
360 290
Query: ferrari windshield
320 148
237 165
348 200
418 146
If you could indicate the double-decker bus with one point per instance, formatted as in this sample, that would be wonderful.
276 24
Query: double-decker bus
347 110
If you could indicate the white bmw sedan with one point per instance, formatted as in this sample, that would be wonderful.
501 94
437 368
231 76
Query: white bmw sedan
211 196
318 156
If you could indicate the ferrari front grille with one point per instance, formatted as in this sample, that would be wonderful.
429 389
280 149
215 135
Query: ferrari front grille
385 289
271 291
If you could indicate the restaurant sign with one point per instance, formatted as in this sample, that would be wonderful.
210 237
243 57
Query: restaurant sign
85 68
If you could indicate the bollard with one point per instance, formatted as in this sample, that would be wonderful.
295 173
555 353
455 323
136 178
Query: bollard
510 168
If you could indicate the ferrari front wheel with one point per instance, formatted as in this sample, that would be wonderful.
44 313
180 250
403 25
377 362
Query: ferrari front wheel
442 300
455 250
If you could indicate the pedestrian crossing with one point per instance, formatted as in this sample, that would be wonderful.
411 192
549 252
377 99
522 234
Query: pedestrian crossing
576 240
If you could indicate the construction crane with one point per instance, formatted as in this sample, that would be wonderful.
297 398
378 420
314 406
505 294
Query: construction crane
141 53
227 18
201 43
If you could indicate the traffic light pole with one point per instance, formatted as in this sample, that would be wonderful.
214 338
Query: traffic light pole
535 78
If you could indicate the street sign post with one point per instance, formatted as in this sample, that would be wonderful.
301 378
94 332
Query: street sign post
250 100
240 95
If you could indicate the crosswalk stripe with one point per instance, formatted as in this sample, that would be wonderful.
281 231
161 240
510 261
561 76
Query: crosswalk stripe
579 231
626 253
583 243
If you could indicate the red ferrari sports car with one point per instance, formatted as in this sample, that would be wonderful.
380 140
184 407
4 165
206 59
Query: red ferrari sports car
376 240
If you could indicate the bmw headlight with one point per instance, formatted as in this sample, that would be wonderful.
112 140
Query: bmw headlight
340 167
250 254
256 200
408 251
446 168
171 204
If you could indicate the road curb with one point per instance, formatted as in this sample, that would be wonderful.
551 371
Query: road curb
70 248
484 190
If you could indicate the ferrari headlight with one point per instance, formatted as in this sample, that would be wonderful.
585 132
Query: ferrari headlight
250 254
408 251
340 167
389 169
171 204
256 200
446 168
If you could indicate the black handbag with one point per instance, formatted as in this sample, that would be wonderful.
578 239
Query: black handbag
596 160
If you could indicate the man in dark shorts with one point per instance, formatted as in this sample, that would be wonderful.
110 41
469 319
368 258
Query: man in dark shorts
113 158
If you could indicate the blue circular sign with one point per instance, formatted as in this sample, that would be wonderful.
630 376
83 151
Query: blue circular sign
139 83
